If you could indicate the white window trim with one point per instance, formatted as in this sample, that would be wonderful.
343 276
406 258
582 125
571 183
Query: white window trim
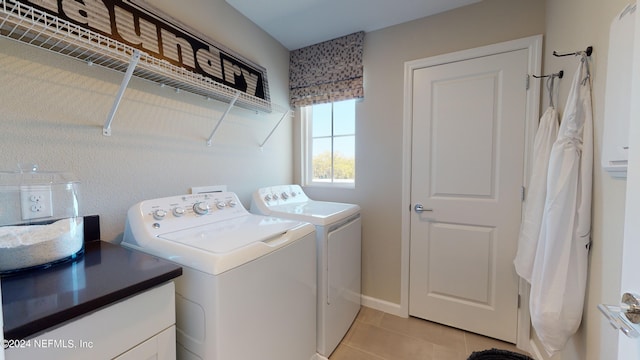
306 158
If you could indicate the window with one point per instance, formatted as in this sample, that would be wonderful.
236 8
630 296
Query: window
329 144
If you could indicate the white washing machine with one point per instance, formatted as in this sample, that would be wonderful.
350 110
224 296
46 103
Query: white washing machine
338 236
248 289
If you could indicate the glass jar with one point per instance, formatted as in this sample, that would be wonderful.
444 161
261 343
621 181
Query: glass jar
39 221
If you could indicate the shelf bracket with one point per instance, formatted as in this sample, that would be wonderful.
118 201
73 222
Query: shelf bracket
215 129
274 129
135 57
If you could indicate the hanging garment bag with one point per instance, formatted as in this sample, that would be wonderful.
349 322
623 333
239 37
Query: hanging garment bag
536 193
559 272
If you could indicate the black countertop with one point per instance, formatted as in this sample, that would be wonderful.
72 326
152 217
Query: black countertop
36 300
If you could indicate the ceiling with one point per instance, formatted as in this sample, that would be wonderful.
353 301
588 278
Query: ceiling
299 23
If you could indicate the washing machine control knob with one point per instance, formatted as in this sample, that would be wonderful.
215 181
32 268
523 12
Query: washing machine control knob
267 197
232 203
201 208
159 214
221 205
178 211
284 195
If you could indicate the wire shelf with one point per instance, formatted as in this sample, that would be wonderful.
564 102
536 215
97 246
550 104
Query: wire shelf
28 25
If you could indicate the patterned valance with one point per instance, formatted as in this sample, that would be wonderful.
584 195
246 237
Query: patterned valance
328 71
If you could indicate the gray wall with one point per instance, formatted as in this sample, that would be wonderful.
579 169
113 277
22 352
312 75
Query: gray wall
380 116
574 25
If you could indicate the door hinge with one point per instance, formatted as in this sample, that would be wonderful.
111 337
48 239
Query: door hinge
523 190
526 86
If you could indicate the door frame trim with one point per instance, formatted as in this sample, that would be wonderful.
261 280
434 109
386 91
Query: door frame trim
534 45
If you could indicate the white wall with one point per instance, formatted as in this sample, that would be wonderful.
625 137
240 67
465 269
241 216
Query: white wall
573 25
52 110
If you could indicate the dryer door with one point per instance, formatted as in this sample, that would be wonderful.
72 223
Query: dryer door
343 288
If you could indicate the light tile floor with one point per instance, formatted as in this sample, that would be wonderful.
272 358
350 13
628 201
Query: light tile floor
376 335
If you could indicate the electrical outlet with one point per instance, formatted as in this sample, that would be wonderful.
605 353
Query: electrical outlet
36 202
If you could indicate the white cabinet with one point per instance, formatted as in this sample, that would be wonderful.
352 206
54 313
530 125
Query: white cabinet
139 327
1 330
159 347
617 111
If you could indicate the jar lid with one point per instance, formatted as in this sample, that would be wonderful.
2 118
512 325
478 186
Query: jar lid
30 175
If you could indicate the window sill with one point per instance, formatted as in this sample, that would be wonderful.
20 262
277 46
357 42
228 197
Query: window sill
331 185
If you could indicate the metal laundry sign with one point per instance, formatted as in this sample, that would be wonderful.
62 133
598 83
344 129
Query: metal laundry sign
135 23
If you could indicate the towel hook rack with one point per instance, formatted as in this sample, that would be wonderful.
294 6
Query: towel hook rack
588 51
559 75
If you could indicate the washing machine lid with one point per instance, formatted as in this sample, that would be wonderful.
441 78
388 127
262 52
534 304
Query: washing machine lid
224 237
212 233
319 213
221 246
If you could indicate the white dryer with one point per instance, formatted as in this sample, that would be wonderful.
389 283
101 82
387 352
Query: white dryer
248 289
338 236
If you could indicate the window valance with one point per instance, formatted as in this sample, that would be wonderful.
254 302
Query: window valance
328 71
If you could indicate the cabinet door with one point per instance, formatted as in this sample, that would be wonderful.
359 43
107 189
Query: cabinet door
159 347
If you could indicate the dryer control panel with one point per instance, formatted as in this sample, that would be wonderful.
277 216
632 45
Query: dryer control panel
279 195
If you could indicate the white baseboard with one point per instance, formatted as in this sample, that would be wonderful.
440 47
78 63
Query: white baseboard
384 306
535 351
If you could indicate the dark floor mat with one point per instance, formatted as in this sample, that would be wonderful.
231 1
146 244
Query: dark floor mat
496 354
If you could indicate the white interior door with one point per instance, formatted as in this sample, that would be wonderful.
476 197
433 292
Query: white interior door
467 173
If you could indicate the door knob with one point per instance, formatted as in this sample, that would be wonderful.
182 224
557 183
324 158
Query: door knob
631 307
625 316
419 208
